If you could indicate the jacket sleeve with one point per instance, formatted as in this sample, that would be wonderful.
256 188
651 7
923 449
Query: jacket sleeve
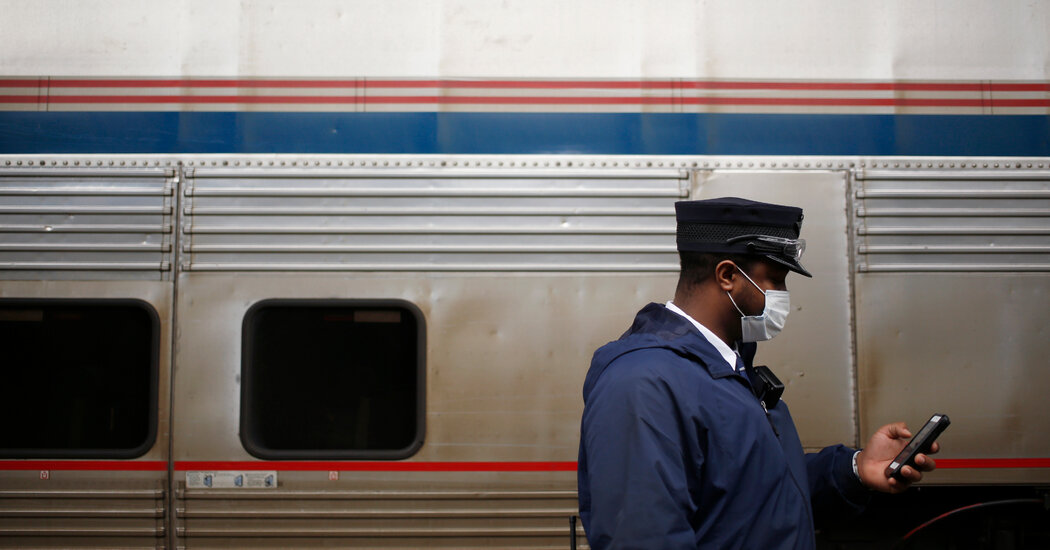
835 491
632 438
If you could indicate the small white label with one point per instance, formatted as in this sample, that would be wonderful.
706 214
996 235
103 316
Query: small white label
232 480
894 464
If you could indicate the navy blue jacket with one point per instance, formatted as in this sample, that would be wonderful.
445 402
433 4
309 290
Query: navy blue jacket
677 452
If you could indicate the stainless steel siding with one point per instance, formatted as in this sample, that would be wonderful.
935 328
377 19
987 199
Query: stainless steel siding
430 219
953 309
86 223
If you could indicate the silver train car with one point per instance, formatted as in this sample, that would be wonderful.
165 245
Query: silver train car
387 351
329 274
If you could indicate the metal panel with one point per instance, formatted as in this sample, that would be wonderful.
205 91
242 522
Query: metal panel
431 220
953 221
953 298
72 516
814 355
505 362
385 516
104 223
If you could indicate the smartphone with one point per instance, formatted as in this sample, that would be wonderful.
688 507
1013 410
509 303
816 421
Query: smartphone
921 443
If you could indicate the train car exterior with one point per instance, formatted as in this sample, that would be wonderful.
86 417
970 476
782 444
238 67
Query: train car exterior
281 275
485 283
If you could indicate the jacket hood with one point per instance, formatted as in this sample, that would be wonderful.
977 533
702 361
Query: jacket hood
655 326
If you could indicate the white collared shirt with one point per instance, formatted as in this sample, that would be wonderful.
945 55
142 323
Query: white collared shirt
727 352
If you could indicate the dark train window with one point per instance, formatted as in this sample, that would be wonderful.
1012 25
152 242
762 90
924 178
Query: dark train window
78 378
332 379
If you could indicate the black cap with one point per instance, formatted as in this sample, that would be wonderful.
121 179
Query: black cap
733 225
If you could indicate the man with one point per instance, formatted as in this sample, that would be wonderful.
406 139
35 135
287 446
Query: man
684 443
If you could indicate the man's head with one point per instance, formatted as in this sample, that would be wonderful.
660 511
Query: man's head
740 230
737 249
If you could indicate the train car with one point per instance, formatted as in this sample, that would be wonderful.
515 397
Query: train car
329 275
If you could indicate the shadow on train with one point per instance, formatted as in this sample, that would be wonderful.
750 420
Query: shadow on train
931 518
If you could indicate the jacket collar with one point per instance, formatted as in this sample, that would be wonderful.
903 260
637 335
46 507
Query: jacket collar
656 326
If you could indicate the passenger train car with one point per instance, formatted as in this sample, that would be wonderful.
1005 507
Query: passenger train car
282 275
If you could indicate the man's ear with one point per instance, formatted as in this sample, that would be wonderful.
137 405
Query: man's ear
725 275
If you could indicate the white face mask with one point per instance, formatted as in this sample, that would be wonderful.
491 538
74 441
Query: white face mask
758 328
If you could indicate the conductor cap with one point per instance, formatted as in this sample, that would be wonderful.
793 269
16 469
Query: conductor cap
732 225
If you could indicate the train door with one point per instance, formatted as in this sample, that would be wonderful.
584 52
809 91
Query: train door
814 356
85 326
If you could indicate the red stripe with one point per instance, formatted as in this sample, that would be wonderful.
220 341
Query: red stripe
122 465
384 466
983 463
503 100
532 84
381 466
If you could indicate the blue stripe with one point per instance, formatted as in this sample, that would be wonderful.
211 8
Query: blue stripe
523 133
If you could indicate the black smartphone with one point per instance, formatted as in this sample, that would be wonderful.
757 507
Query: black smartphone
921 443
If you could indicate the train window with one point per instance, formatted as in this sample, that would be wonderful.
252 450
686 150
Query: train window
332 379
78 378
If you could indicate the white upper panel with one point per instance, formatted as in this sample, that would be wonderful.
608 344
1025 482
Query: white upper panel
767 39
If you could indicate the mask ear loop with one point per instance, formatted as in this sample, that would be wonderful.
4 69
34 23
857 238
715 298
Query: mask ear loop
749 280
740 311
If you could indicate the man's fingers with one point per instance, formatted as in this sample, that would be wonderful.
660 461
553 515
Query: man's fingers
925 463
897 430
911 474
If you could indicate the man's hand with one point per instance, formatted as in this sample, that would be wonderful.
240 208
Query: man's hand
881 450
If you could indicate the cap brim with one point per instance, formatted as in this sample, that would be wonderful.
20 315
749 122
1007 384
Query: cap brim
791 264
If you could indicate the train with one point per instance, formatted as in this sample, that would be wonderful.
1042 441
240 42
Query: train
330 274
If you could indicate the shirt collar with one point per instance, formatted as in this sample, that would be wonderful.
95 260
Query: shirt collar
724 350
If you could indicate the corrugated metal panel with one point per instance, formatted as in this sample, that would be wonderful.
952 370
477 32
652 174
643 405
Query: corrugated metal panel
105 223
124 518
953 221
431 220
436 518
